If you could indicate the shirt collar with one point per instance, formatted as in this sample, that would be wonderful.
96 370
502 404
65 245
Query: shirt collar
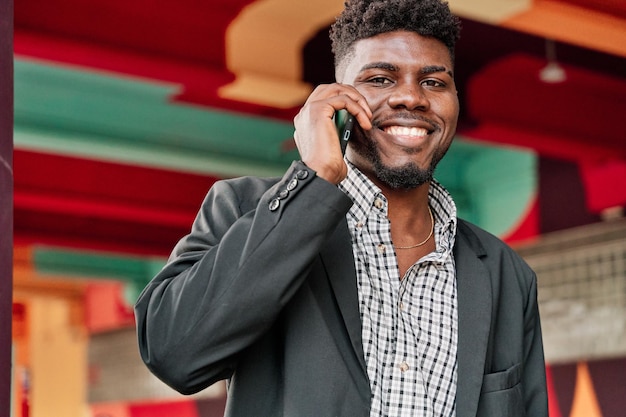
366 196
444 213
363 192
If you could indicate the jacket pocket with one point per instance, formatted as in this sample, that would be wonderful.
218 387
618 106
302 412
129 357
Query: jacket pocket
502 380
501 394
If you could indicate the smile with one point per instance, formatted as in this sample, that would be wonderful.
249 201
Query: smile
405 131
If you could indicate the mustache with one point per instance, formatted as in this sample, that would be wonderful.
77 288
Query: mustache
408 116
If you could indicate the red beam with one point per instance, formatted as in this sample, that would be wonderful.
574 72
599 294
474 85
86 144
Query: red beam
96 204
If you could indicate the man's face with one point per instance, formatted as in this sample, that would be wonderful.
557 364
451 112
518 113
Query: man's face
408 83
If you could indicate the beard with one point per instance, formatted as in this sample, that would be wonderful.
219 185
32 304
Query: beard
403 177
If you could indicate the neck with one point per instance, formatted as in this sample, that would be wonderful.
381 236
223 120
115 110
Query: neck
409 215
407 206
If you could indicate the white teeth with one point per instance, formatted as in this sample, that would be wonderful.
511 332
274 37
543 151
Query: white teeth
406 131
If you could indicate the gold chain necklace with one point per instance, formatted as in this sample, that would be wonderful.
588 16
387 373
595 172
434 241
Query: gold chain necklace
432 228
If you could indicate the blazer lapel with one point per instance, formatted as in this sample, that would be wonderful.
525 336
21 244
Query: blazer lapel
338 260
474 320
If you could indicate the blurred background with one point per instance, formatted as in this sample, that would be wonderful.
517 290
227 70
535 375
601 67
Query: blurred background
126 112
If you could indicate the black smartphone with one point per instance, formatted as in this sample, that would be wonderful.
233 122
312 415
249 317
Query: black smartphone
344 122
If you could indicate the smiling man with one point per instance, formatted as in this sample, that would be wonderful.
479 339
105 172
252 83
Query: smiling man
349 287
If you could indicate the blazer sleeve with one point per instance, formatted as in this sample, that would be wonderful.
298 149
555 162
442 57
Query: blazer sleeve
226 282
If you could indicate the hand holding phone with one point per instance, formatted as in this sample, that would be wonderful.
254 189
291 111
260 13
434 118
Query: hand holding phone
329 114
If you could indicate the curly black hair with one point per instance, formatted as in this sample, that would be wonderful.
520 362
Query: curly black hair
366 18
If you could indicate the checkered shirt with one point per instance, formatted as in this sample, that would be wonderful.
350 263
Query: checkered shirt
410 326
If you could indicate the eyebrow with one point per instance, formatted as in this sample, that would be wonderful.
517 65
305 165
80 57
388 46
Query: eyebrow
380 65
430 69
436 68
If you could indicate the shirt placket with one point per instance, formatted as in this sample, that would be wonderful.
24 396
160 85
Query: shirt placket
390 335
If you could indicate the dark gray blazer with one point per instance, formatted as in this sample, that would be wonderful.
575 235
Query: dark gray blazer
263 292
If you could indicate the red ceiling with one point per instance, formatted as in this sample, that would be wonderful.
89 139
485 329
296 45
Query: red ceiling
87 203
188 30
576 118
183 42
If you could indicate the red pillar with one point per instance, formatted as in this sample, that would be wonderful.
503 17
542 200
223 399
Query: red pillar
6 201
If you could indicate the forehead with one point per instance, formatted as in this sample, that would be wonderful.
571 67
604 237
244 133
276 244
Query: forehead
401 48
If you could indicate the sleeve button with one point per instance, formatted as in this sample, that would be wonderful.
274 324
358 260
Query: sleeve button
283 194
292 184
302 174
274 204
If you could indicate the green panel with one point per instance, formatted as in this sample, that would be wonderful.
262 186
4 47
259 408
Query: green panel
94 112
89 146
135 271
451 173
504 183
493 186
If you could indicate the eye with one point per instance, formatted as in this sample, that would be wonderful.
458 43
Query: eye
380 81
433 83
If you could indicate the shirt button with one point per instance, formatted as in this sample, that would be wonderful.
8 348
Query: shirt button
302 174
381 248
378 203
292 184
404 367
401 306
359 225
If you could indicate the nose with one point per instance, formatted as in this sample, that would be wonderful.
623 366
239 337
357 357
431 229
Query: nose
409 95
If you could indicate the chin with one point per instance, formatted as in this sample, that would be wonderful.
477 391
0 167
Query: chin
405 177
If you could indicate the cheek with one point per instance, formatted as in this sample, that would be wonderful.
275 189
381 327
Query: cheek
375 99
448 111
452 105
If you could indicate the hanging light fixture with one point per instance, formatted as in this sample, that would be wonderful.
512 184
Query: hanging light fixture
553 72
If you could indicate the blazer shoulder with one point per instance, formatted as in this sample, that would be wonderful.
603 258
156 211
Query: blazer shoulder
480 239
249 185
242 194
491 248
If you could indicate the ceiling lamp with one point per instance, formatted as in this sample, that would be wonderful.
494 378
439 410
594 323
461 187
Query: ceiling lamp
553 72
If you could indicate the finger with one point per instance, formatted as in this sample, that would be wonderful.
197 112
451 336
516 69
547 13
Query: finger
361 112
356 104
340 96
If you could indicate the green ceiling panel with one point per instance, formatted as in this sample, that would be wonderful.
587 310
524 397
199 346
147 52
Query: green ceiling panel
113 149
61 109
493 186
